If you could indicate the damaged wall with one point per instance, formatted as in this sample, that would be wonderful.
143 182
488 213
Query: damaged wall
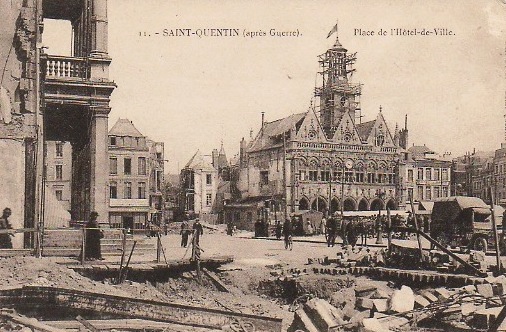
12 179
18 106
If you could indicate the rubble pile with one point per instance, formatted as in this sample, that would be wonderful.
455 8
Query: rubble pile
368 308
403 257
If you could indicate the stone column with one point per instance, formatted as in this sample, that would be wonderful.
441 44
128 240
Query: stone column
98 59
99 28
99 167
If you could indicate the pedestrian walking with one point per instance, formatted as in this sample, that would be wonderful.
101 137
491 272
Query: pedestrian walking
92 248
185 231
309 227
279 229
288 233
5 238
323 227
331 231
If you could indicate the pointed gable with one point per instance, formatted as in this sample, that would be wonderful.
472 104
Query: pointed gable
364 129
124 127
379 134
310 129
198 162
270 130
346 131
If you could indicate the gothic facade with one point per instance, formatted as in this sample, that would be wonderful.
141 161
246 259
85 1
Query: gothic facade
328 161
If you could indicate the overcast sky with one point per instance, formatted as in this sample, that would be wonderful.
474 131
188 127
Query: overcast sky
192 93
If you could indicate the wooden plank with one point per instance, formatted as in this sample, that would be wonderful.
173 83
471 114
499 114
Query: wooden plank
87 324
216 280
29 322
125 324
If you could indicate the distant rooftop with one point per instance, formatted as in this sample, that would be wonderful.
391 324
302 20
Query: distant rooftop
124 127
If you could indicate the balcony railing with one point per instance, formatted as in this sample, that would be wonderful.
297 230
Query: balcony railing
66 67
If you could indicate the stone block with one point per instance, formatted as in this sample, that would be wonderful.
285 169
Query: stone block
394 323
380 294
301 321
484 318
402 300
490 279
364 303
365 290
380 305
469 289
322 314
468 309
372 325
442 294
429 296
485 290
421 302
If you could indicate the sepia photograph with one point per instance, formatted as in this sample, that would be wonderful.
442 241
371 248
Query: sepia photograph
242 166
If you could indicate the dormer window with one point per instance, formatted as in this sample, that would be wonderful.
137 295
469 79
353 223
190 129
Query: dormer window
112 140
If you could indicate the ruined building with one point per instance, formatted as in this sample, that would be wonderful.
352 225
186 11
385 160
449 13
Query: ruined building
327 161
53 98
205 184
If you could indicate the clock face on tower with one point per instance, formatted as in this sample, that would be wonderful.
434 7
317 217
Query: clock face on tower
343 100
348 164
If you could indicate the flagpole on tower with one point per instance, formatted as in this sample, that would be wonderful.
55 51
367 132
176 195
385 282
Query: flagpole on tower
334 29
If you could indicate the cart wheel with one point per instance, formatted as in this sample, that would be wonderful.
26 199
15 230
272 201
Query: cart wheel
480 244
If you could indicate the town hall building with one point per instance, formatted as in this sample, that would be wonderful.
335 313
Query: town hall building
326 161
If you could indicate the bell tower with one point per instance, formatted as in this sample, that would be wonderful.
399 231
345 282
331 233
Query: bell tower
337 94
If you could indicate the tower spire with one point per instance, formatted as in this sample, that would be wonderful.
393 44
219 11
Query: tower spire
336 93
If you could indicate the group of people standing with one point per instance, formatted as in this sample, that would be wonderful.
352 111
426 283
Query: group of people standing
197 230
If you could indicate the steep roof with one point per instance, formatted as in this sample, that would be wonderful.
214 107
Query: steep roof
275 128
364 129
198 162
222 158
124 127
419 151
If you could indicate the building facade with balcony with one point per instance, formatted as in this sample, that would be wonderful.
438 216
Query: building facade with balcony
69 95
427 176
129 177
327 162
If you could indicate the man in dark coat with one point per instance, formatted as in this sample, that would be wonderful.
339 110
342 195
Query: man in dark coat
5 239
288 232
331 231
279 229
198 230
185 231
93 235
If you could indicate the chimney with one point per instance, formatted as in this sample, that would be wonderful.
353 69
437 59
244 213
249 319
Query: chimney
406 122
242 153
215 158
263 121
